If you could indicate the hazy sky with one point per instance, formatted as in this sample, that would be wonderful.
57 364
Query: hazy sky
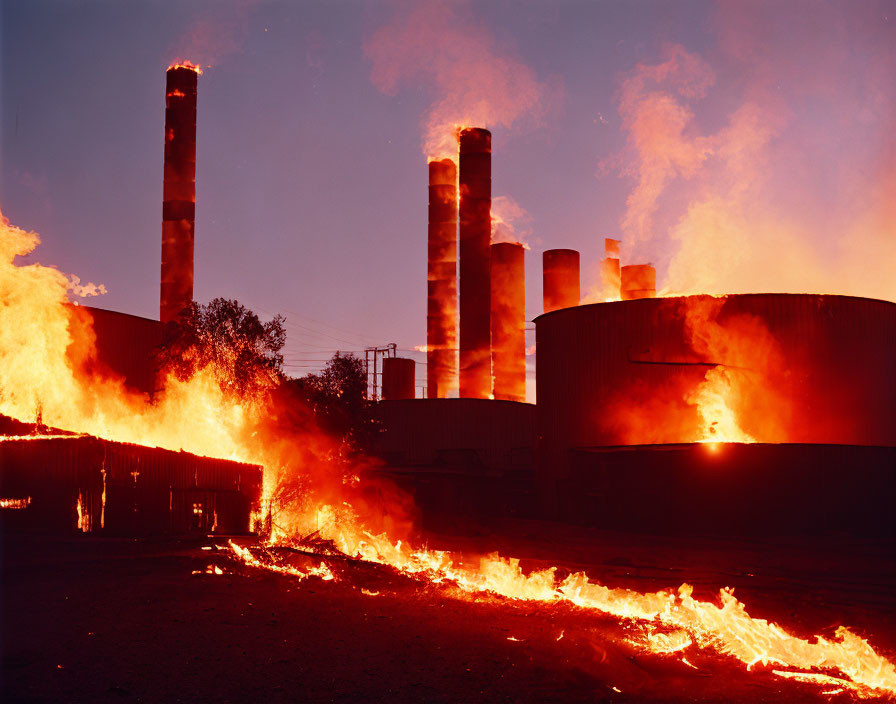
737 146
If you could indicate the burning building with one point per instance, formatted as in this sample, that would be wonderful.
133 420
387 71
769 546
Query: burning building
69 482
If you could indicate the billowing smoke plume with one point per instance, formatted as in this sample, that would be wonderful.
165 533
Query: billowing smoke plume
86 290
511 222
474 81
774 168
214 36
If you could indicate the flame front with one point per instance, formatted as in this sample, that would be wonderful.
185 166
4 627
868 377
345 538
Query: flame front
724 626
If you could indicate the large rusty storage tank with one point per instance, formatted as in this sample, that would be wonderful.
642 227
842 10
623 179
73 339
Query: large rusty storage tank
790 368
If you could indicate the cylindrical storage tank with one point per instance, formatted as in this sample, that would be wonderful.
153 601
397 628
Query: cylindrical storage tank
398 378
791 368
560 278
508 321
441 306
475 181
178 191
638 281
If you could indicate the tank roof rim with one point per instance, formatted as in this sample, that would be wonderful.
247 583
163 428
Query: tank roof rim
713 295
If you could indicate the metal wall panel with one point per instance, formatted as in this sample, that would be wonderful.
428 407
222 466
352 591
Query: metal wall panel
839 357
140 482
433 431
125 344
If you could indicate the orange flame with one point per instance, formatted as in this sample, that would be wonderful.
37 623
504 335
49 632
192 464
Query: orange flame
185 64
724 626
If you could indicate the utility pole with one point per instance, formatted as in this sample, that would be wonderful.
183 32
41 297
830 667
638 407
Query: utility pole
372 355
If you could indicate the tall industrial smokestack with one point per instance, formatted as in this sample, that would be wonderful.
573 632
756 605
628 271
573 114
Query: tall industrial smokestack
610 276
179 191
508 321
475 178
638 281
441 302
560 279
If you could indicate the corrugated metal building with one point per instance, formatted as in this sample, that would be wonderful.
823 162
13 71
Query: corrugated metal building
86 483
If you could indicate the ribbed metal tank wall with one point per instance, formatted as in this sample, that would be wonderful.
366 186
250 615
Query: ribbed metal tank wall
601 365
508 321
475 182
125 344
441 305
561 287
179 192
422 431
398 378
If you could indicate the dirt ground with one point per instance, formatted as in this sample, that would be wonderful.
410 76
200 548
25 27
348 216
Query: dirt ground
99 619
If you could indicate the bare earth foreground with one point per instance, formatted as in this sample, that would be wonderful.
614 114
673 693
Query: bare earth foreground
99 619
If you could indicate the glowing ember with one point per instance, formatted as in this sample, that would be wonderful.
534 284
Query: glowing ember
16 504
83 516
321 571
11 438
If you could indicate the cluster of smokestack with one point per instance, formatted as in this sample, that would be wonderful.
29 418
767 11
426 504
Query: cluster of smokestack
491 292
491 336
561 287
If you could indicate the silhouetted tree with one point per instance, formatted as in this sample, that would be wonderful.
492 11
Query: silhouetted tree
243 351
338 398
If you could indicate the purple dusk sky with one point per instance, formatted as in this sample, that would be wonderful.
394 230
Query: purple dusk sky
737 146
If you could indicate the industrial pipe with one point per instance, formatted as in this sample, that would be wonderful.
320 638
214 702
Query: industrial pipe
441 302
638 281
178 192
475 237
560 278
508 301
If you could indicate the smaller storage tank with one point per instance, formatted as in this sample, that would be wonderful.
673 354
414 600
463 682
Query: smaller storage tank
638 281
398 378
